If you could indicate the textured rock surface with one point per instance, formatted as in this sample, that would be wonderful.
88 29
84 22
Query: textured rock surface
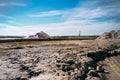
115 34
40 35
60 60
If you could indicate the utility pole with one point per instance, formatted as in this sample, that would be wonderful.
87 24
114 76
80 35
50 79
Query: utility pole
79 33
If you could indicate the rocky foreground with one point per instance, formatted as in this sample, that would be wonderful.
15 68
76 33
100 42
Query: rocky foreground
62 60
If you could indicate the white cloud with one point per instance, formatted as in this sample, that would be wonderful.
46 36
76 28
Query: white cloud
75 19
12 22
8 17
12 4
46 14
65 28
78 13
3 25
86 13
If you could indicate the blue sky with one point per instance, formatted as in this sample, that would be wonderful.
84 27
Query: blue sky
59 17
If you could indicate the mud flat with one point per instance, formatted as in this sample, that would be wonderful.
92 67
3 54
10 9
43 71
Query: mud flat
61 60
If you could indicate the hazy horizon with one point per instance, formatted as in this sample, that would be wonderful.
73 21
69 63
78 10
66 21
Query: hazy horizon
58 17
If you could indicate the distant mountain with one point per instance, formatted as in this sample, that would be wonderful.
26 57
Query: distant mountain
40 35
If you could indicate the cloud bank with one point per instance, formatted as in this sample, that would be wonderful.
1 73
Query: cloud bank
90 17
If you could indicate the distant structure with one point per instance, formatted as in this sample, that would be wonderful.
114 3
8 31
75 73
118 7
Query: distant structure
31 36
40 35
79 33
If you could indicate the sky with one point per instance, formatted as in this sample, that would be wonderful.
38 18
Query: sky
58 17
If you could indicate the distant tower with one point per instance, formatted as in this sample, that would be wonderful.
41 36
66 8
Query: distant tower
79 33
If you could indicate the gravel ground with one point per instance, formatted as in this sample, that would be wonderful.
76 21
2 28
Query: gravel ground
53 60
